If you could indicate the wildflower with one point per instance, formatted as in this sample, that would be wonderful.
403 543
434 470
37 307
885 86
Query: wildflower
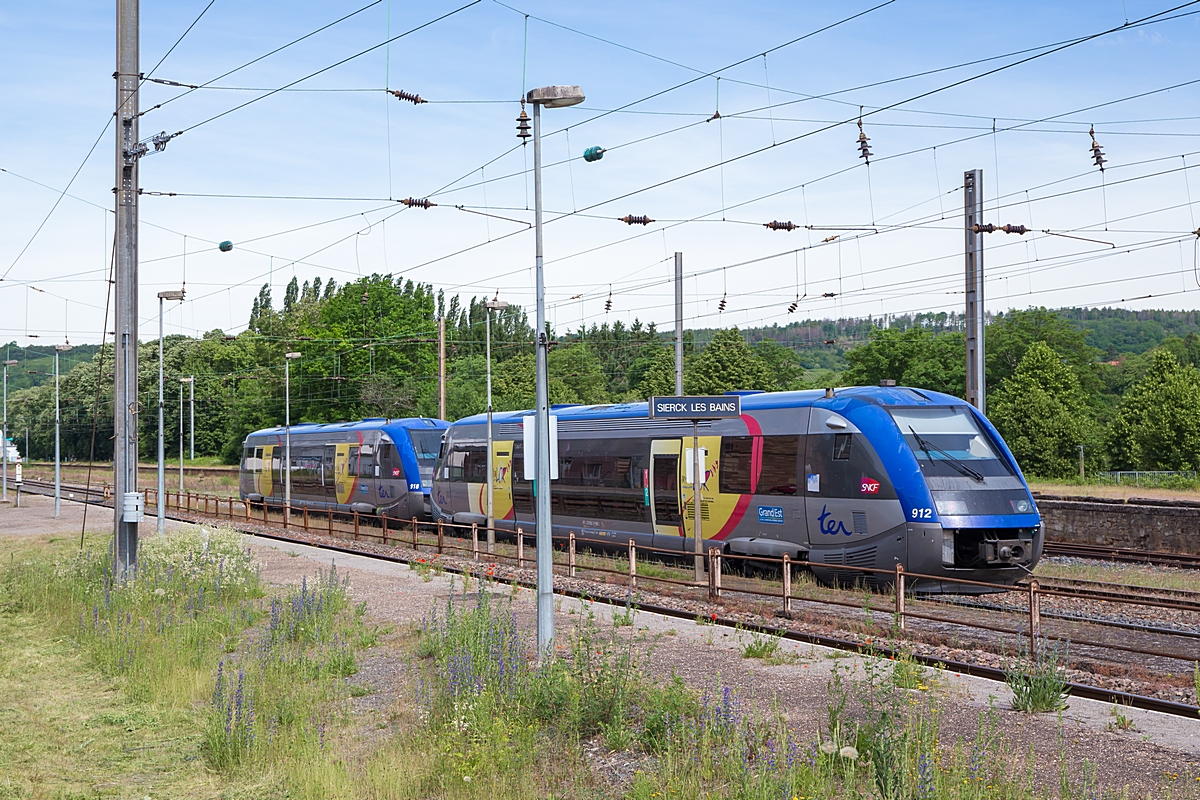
828 748
466 778
849 752
159 592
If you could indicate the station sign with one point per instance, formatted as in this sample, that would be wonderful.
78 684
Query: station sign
722 406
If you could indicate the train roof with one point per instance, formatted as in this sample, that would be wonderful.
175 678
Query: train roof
390 426
751 401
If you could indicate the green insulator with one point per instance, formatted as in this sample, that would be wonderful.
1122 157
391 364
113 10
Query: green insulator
225 246
593 154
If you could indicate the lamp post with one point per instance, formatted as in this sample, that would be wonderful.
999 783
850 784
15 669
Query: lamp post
550 97
182 381
4 436
162 513
287 437
58 348
192 418
495 304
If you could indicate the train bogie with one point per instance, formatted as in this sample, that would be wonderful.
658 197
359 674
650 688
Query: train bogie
866 478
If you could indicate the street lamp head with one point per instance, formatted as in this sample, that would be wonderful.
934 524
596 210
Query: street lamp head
186 380
556 96
173 294
12 363
495 305
290 356
62 348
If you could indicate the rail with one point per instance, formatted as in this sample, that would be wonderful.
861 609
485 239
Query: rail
470 541
448 537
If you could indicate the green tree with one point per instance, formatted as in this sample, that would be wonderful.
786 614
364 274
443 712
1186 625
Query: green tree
912 357
1043 415
726 364
1011 334
1157 424
658 378
783 362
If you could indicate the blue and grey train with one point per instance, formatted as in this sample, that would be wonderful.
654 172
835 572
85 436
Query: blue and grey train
374 466
862 476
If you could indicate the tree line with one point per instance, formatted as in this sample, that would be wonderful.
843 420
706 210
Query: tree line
369 348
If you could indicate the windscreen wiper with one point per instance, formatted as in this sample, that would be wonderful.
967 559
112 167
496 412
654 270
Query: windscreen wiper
951 460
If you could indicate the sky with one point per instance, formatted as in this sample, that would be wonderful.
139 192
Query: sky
789 80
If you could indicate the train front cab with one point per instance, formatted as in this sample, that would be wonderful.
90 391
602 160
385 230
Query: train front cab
961 508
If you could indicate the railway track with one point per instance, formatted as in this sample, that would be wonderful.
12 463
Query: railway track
1102 553
582 588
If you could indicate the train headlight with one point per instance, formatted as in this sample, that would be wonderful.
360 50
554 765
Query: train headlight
947 548
1022 506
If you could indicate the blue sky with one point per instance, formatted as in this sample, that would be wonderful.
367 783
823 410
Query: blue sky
898 223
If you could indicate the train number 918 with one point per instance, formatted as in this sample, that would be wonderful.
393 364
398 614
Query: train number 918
922 513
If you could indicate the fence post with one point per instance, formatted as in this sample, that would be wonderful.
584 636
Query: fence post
520 548
717 572
632 565
330 510
787 586
899 587
474 541
306 519
571 554
383 524
266 520
1035 617
414 532
356 527
189 502
441 534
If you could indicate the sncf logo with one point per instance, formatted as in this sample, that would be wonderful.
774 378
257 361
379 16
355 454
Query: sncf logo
870 486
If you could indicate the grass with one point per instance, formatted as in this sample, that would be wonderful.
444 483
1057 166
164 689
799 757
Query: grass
213 689
1036 679
1124 574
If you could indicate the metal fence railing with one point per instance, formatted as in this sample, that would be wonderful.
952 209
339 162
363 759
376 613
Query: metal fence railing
451 538
1149 478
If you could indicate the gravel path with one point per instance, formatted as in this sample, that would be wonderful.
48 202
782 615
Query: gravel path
707 657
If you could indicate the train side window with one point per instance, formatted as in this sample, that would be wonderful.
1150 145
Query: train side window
841 446
666 489
352 462
737 461
257 465
366 461
780 461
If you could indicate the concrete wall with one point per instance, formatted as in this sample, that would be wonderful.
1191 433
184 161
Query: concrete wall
1172 527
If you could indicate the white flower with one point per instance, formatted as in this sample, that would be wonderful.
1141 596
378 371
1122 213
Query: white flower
159 592
848 752
828 748
466 778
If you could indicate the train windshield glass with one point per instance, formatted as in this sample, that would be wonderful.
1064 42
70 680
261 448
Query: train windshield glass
426 445
949 443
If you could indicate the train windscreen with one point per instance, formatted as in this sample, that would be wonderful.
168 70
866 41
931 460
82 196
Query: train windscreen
949 443
426 444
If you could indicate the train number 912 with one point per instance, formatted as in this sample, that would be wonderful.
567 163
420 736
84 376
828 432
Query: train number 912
922 513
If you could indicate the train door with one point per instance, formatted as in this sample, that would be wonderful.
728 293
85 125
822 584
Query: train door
502 456
664 485
265 474
343 485
328 474
708 491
